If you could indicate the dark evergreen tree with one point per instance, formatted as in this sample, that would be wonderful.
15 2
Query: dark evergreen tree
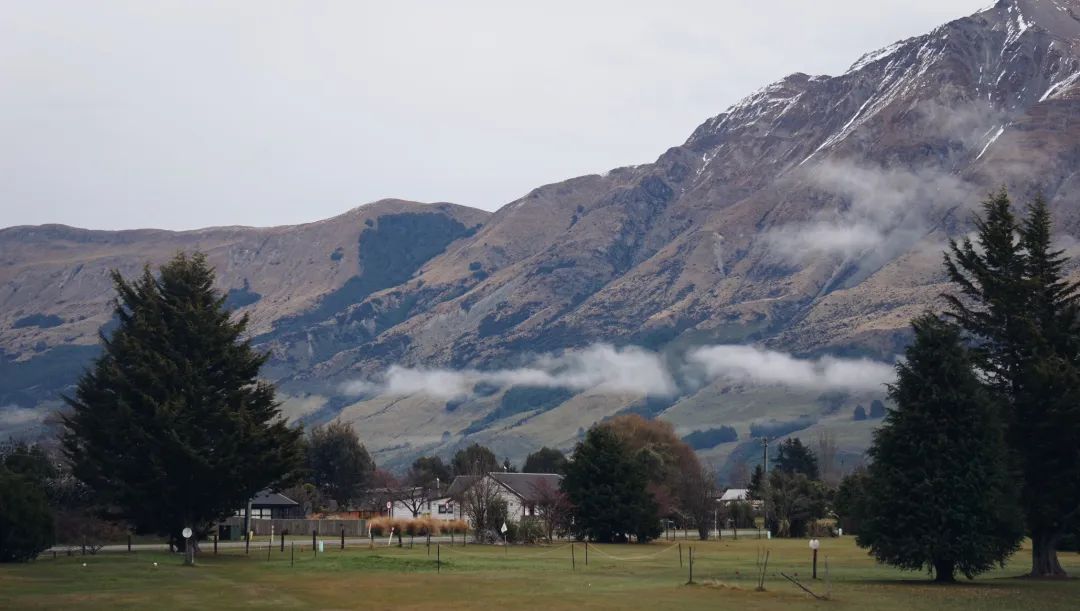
877 409
475 460
607 487
545 460
338 464
429 470
860 413
940 495
756 487
171 426
850 499
26 523
1022 315
793 457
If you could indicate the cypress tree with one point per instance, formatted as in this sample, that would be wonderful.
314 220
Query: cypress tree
171 426
940 496
607 487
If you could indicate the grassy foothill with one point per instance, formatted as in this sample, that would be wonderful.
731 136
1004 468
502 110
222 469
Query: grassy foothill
541 577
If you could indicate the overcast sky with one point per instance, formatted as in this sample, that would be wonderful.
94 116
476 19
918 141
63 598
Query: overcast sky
189 114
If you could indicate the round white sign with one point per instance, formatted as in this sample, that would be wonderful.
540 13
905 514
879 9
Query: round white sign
186 533
389 504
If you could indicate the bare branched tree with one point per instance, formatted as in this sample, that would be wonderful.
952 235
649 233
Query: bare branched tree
553 508
826 452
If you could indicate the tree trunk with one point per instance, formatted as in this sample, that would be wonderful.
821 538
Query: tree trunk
1044 560
944 571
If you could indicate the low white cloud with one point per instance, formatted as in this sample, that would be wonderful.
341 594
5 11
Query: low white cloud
605 368
882 212
13 417
752 364
600 367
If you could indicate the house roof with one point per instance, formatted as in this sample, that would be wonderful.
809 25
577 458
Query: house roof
460 484
529 486
267 498
735 494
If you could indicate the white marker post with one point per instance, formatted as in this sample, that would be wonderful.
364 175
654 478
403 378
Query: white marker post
815 545
189 550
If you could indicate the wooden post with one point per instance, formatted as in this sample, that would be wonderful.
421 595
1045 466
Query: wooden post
314 543
815 564
292 555
215 544
586 552
129 543
438 558
269 547
690 552
247 542
283 540
573 561
680 555
342 537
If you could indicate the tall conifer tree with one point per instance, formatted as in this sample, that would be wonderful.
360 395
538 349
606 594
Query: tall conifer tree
171 426
940 495
1022 315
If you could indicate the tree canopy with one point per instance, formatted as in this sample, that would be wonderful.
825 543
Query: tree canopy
171 427
794 457
338 464
545 460
475 460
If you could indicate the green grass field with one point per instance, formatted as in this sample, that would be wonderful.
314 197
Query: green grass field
483 577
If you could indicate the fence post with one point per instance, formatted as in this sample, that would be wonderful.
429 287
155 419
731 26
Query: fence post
586 552
215 544
292 555
314 543
690 551
283 540
680 555
342 537
438 558
573 561
129 543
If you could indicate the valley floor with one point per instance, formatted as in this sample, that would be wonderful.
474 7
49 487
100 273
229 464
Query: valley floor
517 577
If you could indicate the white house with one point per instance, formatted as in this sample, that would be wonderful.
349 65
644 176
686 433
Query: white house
521 491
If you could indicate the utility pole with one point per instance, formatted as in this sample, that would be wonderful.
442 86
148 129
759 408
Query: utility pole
765 480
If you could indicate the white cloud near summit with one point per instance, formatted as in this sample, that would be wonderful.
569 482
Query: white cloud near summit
604 368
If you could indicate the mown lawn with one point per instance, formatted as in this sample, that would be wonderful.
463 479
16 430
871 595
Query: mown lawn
480 577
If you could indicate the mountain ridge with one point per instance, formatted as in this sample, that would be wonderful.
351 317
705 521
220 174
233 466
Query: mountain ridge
808 217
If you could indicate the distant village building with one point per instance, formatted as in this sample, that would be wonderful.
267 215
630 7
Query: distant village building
268 505
522 492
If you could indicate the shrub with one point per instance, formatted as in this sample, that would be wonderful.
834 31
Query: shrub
26 524
457 527
528 531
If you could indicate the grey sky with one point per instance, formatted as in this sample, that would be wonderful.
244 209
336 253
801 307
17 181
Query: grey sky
188 114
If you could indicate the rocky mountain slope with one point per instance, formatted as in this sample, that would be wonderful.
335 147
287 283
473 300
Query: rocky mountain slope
809 218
